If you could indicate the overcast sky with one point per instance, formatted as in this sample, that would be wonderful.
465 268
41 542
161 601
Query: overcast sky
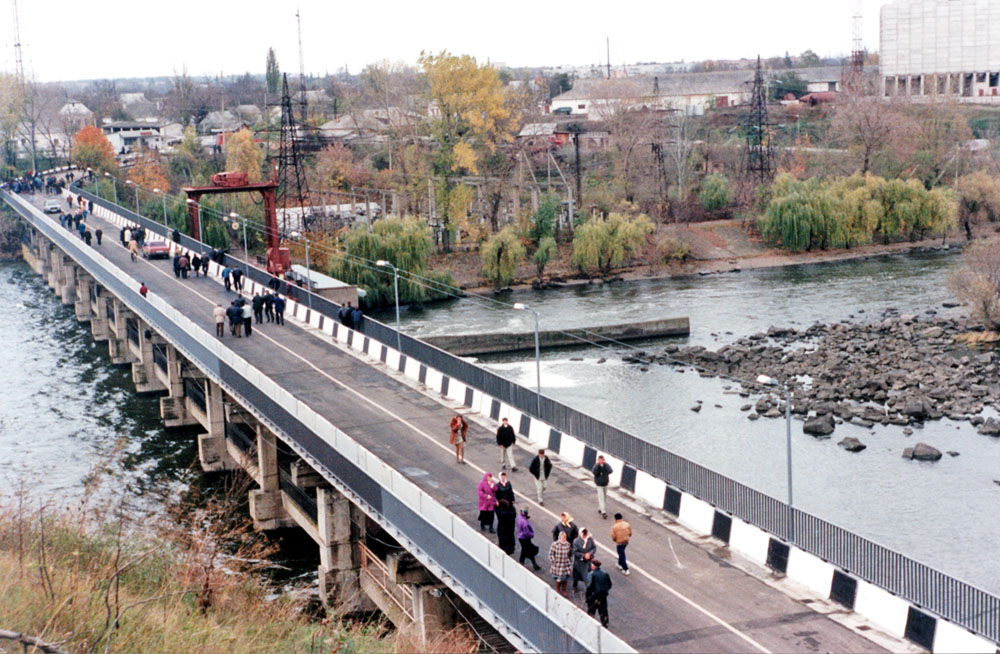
65 40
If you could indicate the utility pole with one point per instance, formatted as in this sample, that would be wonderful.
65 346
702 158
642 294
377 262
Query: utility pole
609 55
18 59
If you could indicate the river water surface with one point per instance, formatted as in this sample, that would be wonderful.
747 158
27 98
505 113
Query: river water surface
943 513
65 408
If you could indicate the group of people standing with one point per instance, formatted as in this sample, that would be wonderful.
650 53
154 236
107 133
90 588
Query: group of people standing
77 221
351 316
572 555
241 314
132 237
183 264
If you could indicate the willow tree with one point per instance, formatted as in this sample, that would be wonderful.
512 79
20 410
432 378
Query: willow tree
603 244
501 256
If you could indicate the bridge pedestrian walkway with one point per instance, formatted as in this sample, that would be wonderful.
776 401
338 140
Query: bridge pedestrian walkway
681 595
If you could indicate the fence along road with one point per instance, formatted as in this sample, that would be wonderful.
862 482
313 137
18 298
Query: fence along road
680 597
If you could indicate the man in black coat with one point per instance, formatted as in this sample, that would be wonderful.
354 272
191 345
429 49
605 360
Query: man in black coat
506 440
540 468
598 587
602 477
258 308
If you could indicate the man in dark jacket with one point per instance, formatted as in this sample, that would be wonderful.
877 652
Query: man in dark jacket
506 440
540 468
598 588
279 310
238 279
258 308
344 315
504 491
602 476
268 306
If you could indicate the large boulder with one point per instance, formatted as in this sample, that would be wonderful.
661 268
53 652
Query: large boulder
915 409
990 428
820 426
922 452
852 444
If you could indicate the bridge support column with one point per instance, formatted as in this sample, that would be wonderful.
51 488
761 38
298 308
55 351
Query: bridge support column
265 503
143 375
340 526
118 347
174 408
99 313
53 268
84 284
212 450
67 288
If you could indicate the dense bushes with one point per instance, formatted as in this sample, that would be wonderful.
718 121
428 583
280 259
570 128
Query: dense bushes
602 244
714 194
818 214
501 256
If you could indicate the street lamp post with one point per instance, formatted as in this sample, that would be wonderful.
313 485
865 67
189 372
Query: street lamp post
538 361
201 234
395 289
246 250
114 185
163 195
129 182
770 381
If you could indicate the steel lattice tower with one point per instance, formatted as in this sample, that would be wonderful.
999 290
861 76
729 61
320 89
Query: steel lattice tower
758 154
293 190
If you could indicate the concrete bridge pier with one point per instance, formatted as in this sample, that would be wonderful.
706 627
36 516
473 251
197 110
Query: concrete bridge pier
99 313
266 507
212 450
340 526
67 280
143 367
117 338
84 285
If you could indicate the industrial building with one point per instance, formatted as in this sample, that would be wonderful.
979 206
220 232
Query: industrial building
941 48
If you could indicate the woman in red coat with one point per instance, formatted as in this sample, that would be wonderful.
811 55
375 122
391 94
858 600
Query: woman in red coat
459 427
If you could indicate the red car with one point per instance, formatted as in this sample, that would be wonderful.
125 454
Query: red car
156 250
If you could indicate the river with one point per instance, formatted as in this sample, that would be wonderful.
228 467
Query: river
939 513
66 409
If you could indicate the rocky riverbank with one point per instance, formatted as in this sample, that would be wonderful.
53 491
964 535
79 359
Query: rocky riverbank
897 369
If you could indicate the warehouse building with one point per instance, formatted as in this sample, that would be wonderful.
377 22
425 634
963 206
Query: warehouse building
941 47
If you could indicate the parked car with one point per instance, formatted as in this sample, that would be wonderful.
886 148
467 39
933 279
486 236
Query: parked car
156 250
53 206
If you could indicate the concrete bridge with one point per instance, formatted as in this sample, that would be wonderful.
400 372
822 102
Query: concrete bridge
346 438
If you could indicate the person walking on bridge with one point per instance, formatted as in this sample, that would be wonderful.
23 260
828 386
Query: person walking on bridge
238 279
506 523
621 533
235 316
195 264
226 272
504 490
540 468
258 308
247 320
133 249
506 440
268 306
584 548
598 587
220 320
487 502
204 266
560 563
185 265
459 428
279 310
98 234
602 476
525 533
566 526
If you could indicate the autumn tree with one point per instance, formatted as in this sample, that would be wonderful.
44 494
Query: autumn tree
272 73
471 120
243 155
501 255
877 131
627 112
91 149
977 282
979 199
11 103
941 130
547 249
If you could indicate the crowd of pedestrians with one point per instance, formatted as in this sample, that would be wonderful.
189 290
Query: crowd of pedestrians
573 552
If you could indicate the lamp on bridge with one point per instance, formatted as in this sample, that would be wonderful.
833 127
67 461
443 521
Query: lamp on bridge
519 306
764 380
129 182
201 234
114 185
309 284
163 195
246 250
395 288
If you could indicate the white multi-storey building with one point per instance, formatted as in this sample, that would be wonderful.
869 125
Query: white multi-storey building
941 47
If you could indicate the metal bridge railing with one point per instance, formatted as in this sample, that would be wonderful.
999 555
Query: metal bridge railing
400 594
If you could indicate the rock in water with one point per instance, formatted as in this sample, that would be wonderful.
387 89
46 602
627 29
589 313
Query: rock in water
990 428
852 444
820 426
696 408
922 452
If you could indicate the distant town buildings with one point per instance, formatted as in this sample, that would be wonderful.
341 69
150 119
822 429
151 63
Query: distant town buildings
131 136
941 47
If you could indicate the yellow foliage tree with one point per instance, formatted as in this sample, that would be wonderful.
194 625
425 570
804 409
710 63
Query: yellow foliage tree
243 155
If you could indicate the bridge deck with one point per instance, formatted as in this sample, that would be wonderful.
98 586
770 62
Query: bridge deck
681 596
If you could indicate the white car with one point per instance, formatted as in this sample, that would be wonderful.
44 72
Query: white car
53 206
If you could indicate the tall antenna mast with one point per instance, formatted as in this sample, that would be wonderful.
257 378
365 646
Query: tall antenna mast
857 49
18 60
758 153
608 38
302 64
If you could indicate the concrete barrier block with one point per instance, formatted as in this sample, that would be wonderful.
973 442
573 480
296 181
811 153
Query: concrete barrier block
436 514
696 514
496 560
328 327
376 468
810 571
472 543
883 608
538 435
750 541
516 575
456 390
949 638
433 379
571 450
649 489
392 359
347 446
407 492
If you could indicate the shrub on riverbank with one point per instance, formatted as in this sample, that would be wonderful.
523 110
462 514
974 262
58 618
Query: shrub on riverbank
603 244
87 585
817 214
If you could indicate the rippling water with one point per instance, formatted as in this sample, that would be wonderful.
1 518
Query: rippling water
931 511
